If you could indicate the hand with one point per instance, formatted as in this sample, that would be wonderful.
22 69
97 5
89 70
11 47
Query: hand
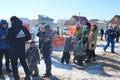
46 40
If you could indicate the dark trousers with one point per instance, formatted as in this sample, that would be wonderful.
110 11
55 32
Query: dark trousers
90 54
14 63
101 36
6 53
65 57
48 63
117 39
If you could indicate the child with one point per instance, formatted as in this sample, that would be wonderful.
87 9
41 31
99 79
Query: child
79 53
32 55
67 47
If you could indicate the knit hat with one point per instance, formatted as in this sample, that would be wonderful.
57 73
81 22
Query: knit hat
78 25
94 25
47 27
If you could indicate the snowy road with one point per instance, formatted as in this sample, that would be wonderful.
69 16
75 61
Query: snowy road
107 67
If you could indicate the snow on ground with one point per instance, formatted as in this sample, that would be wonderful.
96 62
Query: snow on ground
107 66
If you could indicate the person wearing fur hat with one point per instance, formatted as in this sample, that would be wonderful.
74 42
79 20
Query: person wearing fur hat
85 38
4 48
92 41
16 37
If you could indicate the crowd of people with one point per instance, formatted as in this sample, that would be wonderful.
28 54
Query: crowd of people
12 45
83 44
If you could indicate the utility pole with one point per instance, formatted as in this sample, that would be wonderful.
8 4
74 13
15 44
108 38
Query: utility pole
79 16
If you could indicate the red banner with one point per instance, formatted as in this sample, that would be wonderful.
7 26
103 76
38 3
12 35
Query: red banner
71 30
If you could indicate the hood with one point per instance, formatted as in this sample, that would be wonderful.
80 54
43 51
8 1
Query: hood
47 27
3 22
15 21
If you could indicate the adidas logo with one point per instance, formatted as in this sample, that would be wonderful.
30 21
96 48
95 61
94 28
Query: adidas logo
21 34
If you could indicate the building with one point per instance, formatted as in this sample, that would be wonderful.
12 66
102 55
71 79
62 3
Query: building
61 22
75 19
115 21
100 23
41 19
34 22
45 19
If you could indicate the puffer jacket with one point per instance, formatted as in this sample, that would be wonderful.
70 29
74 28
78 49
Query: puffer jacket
3 32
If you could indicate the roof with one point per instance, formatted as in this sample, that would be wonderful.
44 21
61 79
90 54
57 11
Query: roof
44 17
113 18
118 16
70 22
83 20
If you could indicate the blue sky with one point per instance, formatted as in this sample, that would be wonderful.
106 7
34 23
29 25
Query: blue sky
60 9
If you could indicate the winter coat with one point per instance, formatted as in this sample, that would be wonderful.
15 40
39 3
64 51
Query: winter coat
92 39
83 32
46 39
3 32
32 54
110 34
39 34
68 45
85 38
102 31
16 38
78 34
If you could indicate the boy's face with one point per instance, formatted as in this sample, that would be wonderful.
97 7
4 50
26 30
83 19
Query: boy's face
4 26
32 44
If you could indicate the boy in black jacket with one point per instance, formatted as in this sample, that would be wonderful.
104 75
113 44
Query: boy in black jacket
16 37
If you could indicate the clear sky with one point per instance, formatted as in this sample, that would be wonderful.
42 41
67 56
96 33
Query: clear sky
60 9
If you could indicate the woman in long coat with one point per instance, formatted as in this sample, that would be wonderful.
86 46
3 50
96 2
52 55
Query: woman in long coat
92 41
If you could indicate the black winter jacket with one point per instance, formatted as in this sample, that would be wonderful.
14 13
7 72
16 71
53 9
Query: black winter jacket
16 38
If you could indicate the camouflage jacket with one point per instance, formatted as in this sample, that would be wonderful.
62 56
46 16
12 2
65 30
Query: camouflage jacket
32 54
79 49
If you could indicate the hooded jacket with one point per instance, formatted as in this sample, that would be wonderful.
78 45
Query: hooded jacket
3 32
68 45
16 37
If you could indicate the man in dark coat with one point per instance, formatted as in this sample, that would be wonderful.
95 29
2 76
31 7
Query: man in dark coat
16 38
46 39
4 48
102 33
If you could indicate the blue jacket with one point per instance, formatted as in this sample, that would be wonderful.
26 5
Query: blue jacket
110 34
3 32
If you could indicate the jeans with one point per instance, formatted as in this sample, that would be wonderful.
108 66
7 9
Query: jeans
112 44
48 63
